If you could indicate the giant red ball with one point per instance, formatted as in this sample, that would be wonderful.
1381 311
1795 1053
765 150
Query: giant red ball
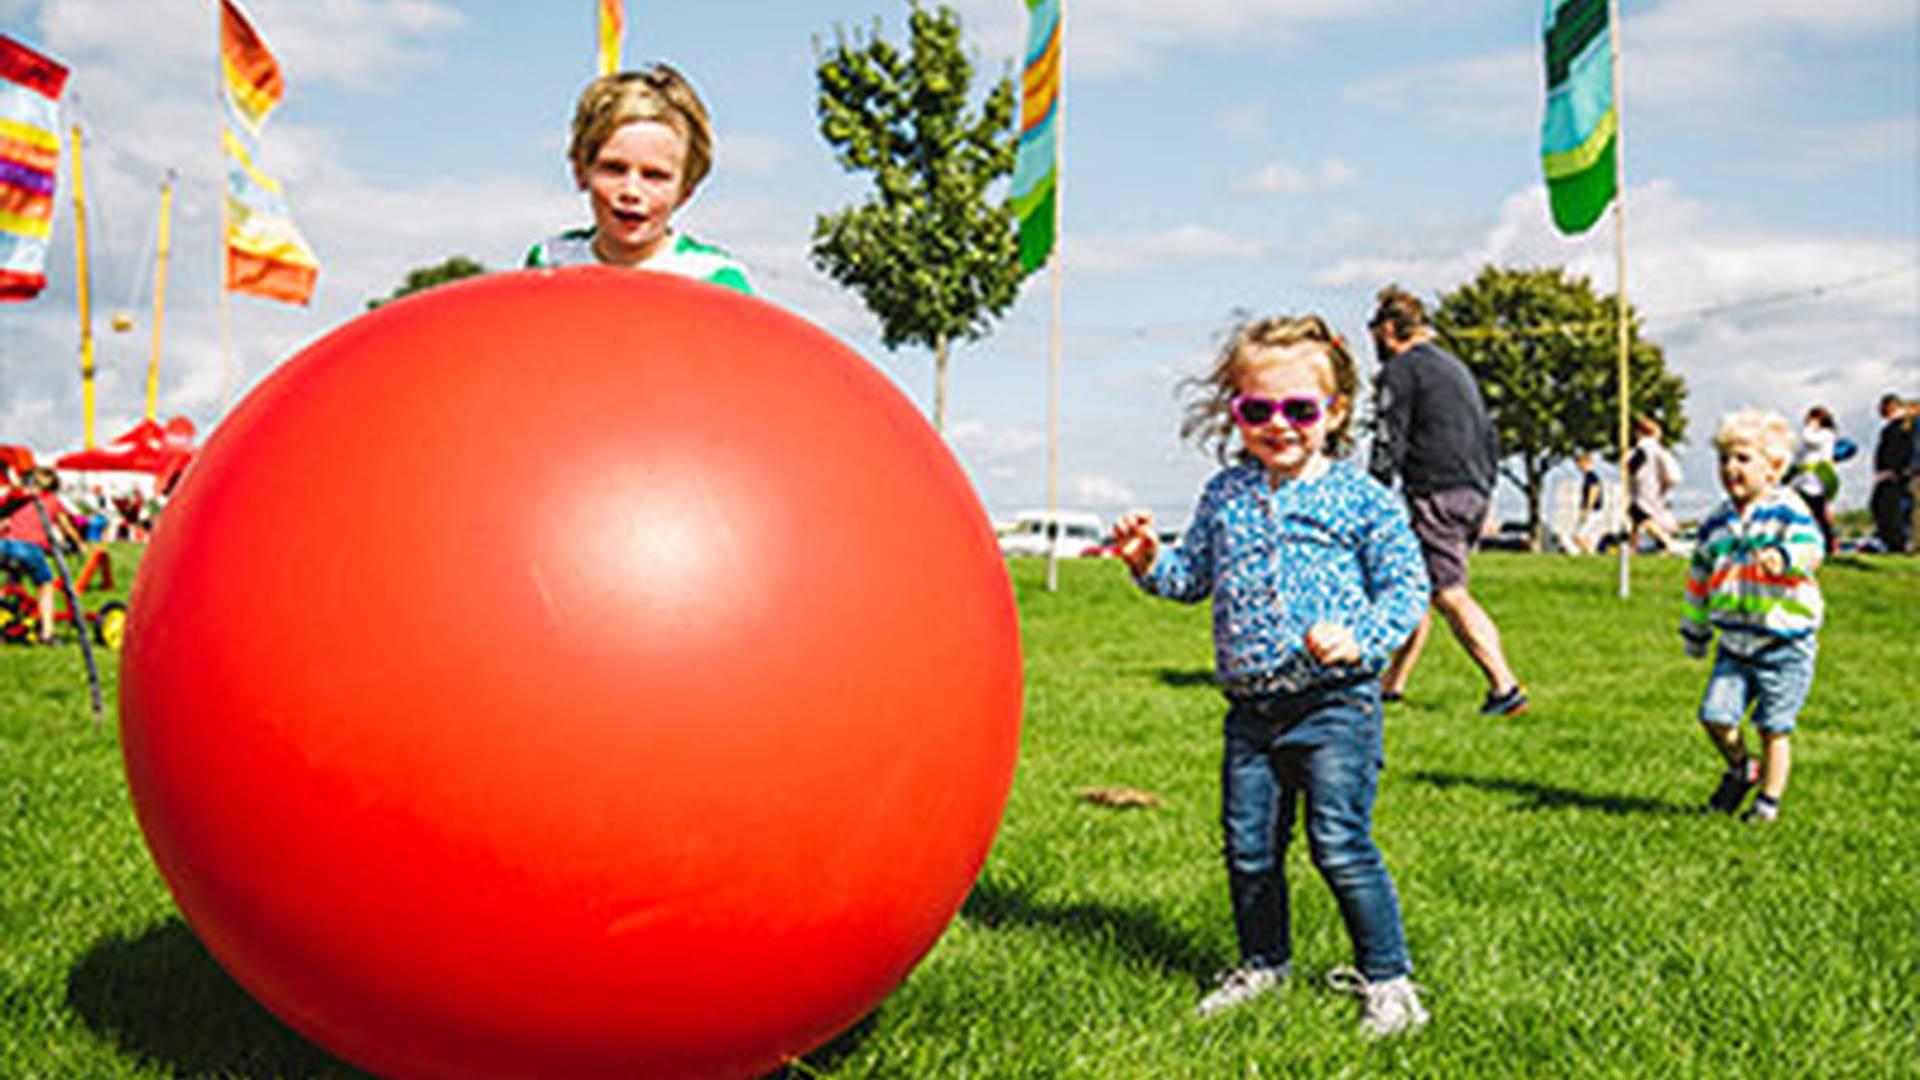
571 673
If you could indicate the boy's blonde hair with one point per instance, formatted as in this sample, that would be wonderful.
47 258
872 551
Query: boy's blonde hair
1209 419
1768 431
660 94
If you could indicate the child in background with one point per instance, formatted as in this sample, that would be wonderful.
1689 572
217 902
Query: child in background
25 541
641 145
1316 579
1751 577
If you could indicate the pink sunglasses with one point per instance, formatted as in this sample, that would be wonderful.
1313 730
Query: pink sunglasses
1300 411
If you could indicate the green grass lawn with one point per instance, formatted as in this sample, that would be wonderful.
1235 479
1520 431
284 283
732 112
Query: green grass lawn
1569 910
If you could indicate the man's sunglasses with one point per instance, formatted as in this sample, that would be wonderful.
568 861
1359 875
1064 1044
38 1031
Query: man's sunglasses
1300 411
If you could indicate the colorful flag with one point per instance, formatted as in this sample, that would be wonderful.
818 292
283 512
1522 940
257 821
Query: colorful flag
613 30
266 256
1579 136
30 84
1036 173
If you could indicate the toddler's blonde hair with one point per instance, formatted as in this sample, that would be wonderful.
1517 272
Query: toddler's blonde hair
1767 431
1209 417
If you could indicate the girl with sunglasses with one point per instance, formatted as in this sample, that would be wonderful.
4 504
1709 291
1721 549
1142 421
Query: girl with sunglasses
1316 578
641 145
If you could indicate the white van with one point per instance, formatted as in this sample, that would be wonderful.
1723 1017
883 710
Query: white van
1073 533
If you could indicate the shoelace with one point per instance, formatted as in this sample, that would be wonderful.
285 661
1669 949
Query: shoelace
1346 980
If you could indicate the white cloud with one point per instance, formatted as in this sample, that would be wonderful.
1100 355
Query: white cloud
1697 61
1246 121
1100 491
1134 251
1748 315
757 155
1280 178
1115 38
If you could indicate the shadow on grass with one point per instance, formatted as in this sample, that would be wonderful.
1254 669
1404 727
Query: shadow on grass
1537 796
1179 679
1138 934
161 997
828 1057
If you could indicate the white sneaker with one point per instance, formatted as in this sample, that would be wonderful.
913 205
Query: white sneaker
1389 1007
1239 986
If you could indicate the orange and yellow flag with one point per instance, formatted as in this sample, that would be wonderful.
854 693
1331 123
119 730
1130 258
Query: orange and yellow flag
613 31
266 255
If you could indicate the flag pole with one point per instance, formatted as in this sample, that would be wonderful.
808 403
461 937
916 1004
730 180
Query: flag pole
85 300
226 224
1620 280
1053 333
159 293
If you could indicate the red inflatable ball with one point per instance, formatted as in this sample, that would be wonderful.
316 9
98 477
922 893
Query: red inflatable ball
572 673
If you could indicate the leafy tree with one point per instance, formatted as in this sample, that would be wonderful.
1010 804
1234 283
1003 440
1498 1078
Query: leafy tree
427 277
1545 350
929 254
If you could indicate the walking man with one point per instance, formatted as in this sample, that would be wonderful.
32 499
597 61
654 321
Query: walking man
1433 434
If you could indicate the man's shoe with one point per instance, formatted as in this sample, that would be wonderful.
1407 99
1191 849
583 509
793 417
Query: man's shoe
1510 702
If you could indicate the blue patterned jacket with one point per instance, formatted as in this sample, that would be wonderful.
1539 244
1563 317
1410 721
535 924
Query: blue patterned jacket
1336 548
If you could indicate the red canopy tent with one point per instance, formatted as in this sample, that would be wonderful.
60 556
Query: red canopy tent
164 451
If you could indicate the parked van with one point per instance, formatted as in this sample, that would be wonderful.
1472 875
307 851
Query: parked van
1073 534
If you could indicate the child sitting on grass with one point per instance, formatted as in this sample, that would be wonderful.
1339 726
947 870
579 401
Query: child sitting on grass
1316 579
1751 577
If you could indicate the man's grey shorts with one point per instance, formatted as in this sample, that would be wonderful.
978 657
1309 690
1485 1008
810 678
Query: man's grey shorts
1447 523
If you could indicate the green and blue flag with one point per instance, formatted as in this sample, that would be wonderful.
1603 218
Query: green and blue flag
1036 173
1580 134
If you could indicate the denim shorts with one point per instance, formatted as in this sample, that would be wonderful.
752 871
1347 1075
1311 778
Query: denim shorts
1773 681
31 560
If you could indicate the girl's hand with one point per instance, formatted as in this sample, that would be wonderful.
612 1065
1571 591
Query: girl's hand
1133 539
1332 644
1771 562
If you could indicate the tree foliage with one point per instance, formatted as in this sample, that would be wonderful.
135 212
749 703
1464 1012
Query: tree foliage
929 253
1545 350
455 268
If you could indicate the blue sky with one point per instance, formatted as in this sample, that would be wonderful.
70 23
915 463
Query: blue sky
1223 157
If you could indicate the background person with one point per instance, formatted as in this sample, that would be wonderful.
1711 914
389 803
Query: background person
25 542
1433 433
1814 476
1590 525
1892 471
641 144
1652 473
1751 578
1315 579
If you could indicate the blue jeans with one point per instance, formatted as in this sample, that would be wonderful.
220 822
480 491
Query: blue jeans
1321 748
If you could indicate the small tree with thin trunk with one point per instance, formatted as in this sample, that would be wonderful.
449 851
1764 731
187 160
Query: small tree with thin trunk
929 253
1543 347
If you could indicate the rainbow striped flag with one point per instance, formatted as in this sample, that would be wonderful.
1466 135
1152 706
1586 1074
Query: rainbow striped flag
266 256
30 85
1036 174
1581 130
613 31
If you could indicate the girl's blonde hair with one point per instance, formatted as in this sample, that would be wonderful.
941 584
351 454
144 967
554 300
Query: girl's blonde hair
1209 417
660 94
1768 431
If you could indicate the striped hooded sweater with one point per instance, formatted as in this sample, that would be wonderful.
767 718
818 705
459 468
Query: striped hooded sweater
1728 590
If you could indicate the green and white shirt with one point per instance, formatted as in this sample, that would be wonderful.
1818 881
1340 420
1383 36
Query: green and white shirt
686 257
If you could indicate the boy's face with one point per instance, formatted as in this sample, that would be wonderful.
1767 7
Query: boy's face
1290 376
634 184
1745 471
